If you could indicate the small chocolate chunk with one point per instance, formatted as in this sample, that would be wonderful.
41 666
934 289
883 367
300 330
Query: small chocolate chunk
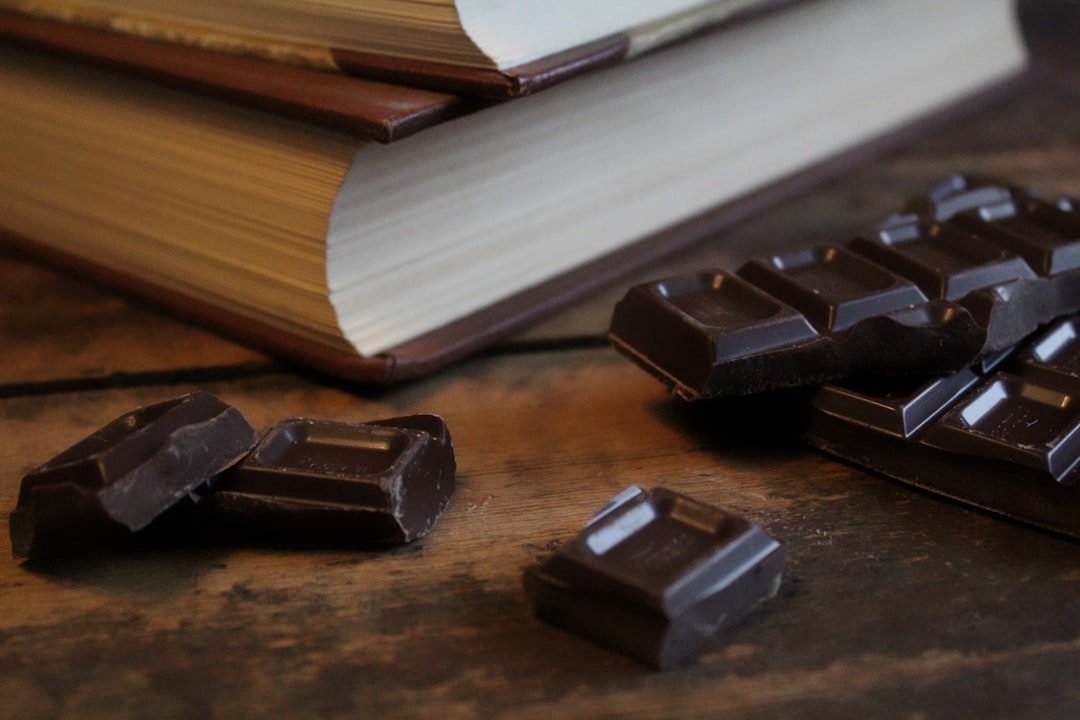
313 481
656 575
958 276
117 480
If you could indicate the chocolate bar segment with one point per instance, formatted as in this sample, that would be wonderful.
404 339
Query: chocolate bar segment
656 575
1017 421
955 277
1055 357
1043 231
1005 438
120 478
944 260
383 482
832 287
900 406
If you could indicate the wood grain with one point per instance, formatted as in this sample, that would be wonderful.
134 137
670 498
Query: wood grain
58 330
892 599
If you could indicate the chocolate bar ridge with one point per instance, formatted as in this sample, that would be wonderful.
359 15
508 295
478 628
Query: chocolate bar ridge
956 276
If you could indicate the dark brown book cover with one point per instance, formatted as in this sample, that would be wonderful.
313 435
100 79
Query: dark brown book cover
364 108
516 82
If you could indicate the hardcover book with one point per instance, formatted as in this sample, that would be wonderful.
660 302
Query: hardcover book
295 229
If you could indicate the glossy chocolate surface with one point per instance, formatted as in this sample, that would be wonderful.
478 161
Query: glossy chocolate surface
656 575
117 480
318 481
955 277
1004 437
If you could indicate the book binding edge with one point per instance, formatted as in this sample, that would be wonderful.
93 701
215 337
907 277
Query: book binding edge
352 105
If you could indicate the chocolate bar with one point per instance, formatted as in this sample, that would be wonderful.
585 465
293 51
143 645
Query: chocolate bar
1003 436
656 575
307 481
957 276
120 478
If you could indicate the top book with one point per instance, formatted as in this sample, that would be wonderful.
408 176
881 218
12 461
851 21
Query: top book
486 47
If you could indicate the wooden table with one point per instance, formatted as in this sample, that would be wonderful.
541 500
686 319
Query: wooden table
895 604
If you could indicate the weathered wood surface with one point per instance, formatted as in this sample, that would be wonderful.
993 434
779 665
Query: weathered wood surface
892 601
895 604
57 333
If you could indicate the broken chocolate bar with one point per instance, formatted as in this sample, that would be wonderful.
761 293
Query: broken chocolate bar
120 478
959 275
310 481
1004 436
656 575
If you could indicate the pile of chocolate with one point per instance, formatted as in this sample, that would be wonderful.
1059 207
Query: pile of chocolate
654 574
196 460
940 348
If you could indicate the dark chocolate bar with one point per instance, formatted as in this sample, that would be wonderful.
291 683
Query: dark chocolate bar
957 276
1004 436
656 575
318 481
120 478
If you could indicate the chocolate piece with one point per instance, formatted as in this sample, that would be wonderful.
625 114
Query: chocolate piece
117 480
1004 438
656 575
317 481
960 275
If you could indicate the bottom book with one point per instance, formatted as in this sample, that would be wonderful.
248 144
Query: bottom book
384 262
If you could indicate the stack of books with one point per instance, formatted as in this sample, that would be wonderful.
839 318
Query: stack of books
378 188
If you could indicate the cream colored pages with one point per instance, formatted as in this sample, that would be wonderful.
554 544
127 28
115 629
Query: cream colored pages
460 216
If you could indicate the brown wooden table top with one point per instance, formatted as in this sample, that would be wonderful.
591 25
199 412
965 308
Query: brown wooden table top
895 603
